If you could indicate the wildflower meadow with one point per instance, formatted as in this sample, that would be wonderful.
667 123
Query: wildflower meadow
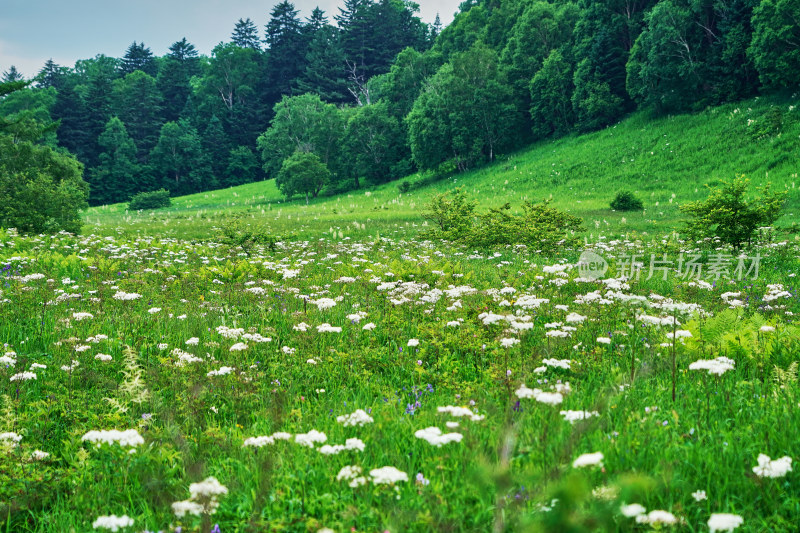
160 384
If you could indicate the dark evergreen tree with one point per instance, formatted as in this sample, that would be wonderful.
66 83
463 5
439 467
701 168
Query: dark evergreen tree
98 105
73 132
316 21
325 72
51 75
138 57
137 102
178 67
216 147
287 44
245 34
436 28
11 75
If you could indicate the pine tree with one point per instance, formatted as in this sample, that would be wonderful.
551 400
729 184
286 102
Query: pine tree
73 131
245 34
316 21
436 28
325 67
137 102
11 75
216 146
287 49
51 75
138 57
178 67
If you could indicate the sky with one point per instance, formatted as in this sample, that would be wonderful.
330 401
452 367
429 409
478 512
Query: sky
33 31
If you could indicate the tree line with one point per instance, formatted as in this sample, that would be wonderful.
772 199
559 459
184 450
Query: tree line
326 106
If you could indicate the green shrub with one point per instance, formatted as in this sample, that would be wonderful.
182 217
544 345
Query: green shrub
727 215
403 187
150 200
540 227
626 201
238 233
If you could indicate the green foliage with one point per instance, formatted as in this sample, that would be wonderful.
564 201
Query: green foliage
374 142
465 113
41 190
236 232
775 48
302 123
243 167
550 90
729 216
118 175
626 201
302 173
137 102
540 227
177 161
150 200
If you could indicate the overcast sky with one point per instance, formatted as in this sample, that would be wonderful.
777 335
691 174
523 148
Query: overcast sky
32 31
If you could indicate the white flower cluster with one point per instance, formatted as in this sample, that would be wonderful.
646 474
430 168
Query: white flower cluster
717 366
724 522
557 363
308 439
351 473
573 416
126 296
460 411
356 445
588 459
129 437
221 372
10 438
203 498
772 468
323 303
23 376
357 418
550 398
112 522
387 475
434 436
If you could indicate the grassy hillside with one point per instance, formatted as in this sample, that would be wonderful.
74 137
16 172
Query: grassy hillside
666 161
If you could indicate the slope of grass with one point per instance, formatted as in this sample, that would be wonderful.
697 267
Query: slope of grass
666 161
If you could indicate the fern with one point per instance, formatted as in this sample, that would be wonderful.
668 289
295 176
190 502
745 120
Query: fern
785 377
132 389
7 418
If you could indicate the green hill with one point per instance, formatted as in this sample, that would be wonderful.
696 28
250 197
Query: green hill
666 161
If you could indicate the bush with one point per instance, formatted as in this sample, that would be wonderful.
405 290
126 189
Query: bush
238 233
728 216
150 200
626 201
403 187
302 173
540 227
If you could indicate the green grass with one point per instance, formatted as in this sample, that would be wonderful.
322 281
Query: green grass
666 161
